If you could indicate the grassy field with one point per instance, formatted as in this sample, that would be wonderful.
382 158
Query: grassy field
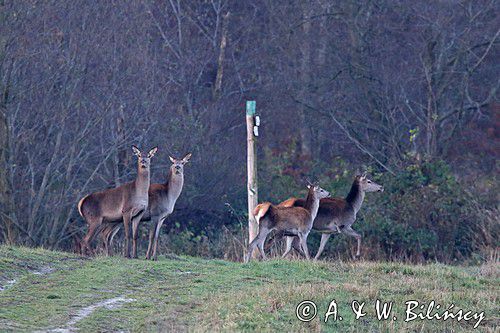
47 290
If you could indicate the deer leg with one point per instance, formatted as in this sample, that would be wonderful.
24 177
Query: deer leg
258 240
289 241
303 243
110 234
348 231
126 224
152 232
297 246
250 248
93 227
104 237
135 226
324 239
105 233
117 228
157 236
260 245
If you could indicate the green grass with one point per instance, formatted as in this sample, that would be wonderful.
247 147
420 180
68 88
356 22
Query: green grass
205 295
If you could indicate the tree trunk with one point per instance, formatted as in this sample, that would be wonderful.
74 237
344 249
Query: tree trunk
5 186
121 160
222 55
305 80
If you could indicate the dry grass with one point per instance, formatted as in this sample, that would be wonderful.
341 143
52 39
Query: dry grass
193 294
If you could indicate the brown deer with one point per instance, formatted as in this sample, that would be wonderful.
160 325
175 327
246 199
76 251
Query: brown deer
291 221
162 199
125 203
336 215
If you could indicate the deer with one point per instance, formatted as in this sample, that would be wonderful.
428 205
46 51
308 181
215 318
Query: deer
162 199
336 215
125 203
291 221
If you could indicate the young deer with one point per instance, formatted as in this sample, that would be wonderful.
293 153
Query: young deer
125 203
292 221
336 214
162 199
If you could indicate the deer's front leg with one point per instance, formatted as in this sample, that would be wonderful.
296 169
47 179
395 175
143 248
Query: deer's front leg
303 243
152 232
135 226
126 224
324 239
159 223
348 231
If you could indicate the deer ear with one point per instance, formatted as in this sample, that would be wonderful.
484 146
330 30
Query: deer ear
186 158
171 159
308 186
136 150
152 152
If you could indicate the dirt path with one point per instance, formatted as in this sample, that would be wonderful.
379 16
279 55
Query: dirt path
109 304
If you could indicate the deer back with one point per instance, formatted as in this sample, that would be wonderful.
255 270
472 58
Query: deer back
286 218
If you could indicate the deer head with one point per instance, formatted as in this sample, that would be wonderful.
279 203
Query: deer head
367 185
144 161
178 164
318 192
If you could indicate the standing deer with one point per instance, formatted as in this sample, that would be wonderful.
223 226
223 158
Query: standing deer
336 215
162 199
292 221
125 203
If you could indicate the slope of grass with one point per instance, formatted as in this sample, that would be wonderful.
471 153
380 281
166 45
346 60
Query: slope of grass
185 293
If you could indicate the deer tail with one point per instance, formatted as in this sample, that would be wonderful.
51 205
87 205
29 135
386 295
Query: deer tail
80 203
261 210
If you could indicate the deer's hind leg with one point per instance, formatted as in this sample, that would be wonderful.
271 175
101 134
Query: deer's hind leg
94 225
289 241
106 230
110 238
298 246
108 234
259 242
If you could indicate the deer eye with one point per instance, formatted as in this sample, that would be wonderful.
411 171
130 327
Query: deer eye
369 182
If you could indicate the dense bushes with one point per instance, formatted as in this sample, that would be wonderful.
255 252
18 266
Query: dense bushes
426 214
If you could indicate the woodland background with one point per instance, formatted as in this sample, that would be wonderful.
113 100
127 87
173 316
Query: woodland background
407 90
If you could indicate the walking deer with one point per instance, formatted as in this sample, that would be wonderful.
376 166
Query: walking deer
162 199
291 221
336 215
125 203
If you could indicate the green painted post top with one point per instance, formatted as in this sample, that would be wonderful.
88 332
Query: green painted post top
250 108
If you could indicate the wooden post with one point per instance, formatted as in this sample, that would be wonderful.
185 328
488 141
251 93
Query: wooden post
251 172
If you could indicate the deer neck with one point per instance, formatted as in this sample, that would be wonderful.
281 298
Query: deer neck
355 197
142 181
175 183
312 204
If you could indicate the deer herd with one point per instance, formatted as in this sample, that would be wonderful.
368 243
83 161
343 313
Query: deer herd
131 203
